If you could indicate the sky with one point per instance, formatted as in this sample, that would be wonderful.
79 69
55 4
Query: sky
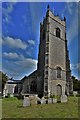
21 35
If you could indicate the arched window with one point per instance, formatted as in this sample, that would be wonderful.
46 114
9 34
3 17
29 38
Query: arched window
58 72
33 86
58 32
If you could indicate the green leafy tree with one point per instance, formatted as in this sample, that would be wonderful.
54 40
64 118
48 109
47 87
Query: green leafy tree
76 84
3 79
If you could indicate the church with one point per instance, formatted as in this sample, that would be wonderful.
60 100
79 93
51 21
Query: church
53 74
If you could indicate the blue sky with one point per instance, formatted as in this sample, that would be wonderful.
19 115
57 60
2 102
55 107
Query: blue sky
20 35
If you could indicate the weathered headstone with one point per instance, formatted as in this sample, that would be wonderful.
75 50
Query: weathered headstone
75 93
54 100
33 99
50 100
43 101
63 98
11 95
26 102
38 100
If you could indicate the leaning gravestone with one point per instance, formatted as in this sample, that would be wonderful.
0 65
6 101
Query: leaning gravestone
63 98
26 102
33 100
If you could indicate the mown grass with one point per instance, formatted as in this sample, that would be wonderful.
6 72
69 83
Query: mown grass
12 108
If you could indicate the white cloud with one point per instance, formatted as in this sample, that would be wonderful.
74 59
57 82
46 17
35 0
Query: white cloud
32 42
66 1
19 68
75 66
11 55
73 29
6 11
14 43
71 9
75 70
0 41
27 62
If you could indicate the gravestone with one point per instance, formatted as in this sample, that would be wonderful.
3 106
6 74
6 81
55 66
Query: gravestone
33 99
75 93
43 101
38 100
63 98
26 102
11 95
50 100
54 100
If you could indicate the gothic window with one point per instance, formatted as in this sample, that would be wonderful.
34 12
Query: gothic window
27 88
46 88
33 86
58 72
58 32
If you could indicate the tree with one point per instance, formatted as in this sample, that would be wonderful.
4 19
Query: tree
3 79
76 84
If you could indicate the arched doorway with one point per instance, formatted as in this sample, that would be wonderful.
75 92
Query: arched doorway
16 89
59 90
59 93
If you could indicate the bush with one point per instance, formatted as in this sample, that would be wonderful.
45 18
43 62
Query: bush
78 95
10 98
20 97
8 95
72 95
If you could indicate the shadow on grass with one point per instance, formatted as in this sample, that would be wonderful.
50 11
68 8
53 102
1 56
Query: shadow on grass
20 106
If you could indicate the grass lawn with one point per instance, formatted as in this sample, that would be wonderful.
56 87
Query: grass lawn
12 108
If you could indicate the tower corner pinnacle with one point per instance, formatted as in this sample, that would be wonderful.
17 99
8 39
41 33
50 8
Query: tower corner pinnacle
48 8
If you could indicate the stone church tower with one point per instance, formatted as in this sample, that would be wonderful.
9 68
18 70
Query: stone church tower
53 74
53 58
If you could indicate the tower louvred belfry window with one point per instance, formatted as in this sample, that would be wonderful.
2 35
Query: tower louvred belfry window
58 72
58 32
43 35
